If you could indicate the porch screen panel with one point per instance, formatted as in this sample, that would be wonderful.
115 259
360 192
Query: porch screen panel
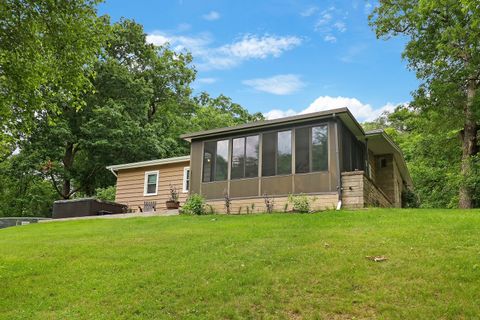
268 153
284 152
302 150
251 157
238 157
320 148
208 160
221 161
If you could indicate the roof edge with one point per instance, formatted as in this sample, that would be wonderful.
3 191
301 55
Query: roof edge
148 163
267 123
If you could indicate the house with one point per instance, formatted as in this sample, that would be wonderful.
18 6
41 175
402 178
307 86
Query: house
325 155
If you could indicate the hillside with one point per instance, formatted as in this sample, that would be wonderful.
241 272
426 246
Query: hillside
287 266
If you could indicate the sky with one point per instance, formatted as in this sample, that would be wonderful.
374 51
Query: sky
280 57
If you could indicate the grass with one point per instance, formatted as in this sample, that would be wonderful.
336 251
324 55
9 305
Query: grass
279 266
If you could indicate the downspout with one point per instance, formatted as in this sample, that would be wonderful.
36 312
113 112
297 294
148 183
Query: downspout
367 158
339 174
113 172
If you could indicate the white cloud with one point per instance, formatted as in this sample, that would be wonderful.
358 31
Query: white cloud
211 16
361 111
206 80
309 11
324 20
330 22
229 55
276 113
251 46
330 38
340 26
282 84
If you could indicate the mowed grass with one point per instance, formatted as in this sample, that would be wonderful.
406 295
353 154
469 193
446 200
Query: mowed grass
278 266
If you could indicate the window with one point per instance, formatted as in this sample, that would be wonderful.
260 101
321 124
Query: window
277 153
251 157
284 152
383 162
311 149
151 182
268 154
302 150
215 161
186 179
319 148
238 158
244 157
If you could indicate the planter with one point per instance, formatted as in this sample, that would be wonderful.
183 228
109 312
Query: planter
172 204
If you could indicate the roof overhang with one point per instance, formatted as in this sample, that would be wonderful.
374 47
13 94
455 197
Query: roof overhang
343 113
149 163
380 143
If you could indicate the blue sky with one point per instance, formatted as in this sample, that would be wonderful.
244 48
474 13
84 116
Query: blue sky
280 57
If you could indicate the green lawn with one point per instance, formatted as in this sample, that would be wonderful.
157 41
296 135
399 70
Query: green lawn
285 266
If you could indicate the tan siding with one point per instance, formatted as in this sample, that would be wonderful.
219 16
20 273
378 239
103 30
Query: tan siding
130 185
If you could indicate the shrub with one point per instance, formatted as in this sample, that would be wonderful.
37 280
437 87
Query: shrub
195 204
228 201
106 194
269 203
300 203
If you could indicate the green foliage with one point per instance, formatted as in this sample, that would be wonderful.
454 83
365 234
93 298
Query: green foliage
107 193
23 192
301 203
107 97
442 48
195 204
47 52
433 156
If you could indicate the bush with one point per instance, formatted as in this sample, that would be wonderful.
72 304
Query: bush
300 203
106 194
195 204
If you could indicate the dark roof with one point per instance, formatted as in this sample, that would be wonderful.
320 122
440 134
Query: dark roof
342 113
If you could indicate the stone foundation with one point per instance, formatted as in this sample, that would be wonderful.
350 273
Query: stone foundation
324 201
360 192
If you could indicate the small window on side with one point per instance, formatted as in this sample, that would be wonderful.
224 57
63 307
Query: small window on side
383 162
186 179
151 183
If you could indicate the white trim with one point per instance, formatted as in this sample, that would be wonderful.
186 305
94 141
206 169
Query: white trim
184 188
148 163
147 173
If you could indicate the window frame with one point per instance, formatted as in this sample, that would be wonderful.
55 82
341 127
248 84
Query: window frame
214 159
184 186
292 150
245 137
145 183
310 147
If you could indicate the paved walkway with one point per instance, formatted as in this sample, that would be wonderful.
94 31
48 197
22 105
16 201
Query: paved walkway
119 216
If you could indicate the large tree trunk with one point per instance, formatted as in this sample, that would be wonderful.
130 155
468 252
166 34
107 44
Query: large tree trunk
469 146
67 165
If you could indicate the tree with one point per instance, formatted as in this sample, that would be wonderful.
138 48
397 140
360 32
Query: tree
126 117
431 150
444 50
218 112
47 49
